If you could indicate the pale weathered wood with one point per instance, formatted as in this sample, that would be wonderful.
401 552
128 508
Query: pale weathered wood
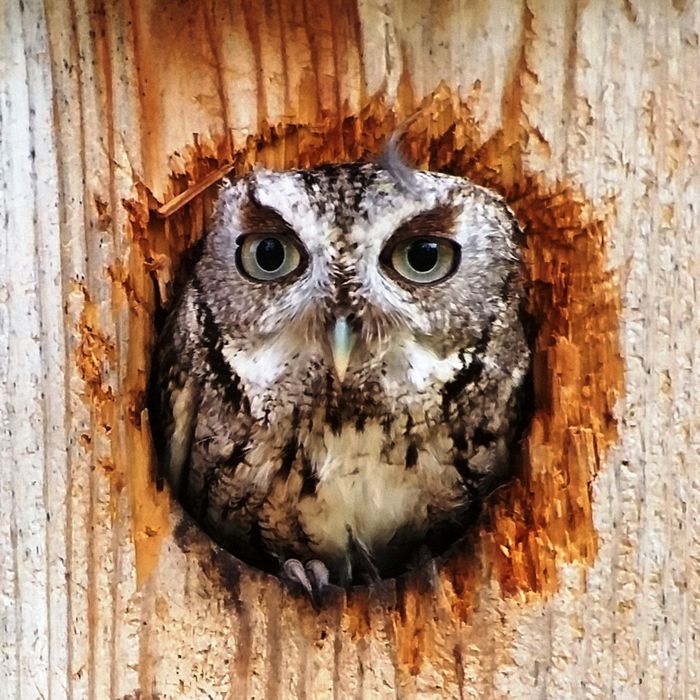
585 114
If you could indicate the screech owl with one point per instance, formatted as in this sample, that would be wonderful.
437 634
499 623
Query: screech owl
339 381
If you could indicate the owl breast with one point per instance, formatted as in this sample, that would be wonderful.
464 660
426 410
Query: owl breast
339 472
369 503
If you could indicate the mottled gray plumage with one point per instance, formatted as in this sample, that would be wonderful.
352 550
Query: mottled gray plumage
262 441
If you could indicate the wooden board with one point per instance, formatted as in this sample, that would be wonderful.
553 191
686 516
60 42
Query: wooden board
583 579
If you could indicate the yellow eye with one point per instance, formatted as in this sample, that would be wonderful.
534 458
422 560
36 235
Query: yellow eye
268 257
424 259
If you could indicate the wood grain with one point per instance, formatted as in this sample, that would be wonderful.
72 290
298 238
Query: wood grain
583 578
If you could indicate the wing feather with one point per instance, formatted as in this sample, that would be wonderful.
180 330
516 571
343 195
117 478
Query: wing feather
176 400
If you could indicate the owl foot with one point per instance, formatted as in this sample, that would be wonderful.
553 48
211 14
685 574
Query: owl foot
312 577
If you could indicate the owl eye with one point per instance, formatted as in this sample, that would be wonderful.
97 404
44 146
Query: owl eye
424 259
268 256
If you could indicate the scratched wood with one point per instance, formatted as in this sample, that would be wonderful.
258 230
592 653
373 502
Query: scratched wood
583 577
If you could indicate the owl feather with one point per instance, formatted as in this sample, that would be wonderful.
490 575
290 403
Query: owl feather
339 379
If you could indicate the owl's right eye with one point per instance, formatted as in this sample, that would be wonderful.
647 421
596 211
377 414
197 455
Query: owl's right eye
422 259
268 257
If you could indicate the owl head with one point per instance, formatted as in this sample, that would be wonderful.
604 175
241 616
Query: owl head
368 280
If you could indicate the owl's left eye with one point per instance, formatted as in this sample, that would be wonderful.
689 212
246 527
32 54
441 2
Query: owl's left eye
423 259
268 257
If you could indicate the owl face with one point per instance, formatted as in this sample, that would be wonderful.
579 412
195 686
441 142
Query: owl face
348 278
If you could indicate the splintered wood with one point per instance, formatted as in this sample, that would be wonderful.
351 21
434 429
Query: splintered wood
544 515
582 576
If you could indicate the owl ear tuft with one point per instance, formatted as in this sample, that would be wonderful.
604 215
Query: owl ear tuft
392 160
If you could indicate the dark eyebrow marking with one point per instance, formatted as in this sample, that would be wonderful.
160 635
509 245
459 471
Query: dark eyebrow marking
439 221
258 218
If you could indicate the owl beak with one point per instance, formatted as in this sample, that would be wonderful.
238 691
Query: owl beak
342 340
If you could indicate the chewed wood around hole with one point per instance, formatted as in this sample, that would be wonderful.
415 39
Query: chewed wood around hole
543 515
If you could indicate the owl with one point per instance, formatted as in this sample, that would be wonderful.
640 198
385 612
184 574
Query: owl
341 379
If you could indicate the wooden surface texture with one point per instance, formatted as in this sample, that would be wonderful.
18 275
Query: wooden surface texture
583 578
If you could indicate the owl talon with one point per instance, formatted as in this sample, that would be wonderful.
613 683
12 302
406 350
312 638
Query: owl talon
293 570
317 572
313 577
